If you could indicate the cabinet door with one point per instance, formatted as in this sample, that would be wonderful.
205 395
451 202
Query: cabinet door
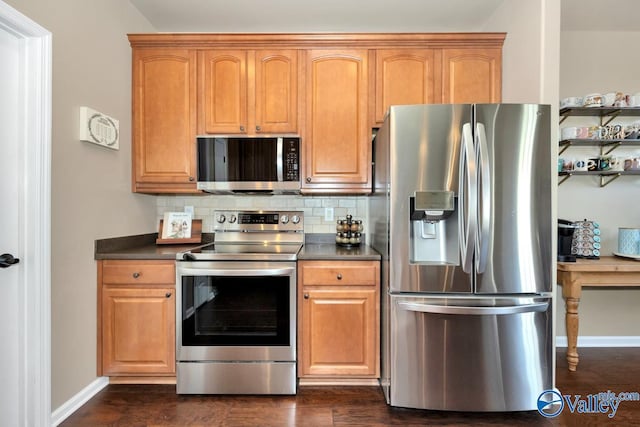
138 331
164 105
337 139
403 77
276 91
471 75
222 90
339 332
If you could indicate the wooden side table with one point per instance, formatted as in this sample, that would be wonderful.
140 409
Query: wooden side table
608 271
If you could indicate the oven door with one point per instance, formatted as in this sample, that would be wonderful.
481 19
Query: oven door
235 311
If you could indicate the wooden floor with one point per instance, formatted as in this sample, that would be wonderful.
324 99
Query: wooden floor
600 370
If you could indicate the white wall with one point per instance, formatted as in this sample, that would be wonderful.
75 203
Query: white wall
590 62
521 78
91 190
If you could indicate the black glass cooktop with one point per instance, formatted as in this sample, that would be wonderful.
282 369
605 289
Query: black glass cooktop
243 251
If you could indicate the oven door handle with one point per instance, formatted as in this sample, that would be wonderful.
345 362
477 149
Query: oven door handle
285 271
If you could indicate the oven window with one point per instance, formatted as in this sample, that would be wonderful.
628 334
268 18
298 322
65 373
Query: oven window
232 311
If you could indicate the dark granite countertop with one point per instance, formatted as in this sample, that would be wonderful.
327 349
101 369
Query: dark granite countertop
331 251
143 246
323 246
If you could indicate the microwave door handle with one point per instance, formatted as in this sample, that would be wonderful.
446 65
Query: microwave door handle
279 165
187 271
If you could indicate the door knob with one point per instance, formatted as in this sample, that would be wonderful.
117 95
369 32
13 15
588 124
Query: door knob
168 295
306 296
7 260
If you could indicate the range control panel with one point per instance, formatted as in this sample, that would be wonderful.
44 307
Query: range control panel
227 220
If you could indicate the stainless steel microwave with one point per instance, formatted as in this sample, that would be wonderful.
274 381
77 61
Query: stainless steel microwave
237 164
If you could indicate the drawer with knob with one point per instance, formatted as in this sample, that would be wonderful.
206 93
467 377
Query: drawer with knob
146 272
339 273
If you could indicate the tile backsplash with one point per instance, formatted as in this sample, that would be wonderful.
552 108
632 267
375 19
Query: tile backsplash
313 207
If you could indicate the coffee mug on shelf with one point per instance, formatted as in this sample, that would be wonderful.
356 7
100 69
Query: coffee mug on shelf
571 101
593 100
593 132
608 99
574 132
617 164
632 131
604 163
603 132
632 164
567 165
616 131
580 165
634 100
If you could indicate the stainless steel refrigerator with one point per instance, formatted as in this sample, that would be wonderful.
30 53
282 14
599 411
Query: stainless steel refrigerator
462 212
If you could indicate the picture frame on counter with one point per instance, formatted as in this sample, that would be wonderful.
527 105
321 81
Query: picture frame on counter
179 228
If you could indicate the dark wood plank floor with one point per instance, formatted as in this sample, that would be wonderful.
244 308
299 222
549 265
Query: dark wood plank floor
600 370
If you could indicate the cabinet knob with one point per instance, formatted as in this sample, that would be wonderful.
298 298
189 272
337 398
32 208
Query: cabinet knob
241 128
168 295
258 128
339 276
136 275
306 296
191 179
308 179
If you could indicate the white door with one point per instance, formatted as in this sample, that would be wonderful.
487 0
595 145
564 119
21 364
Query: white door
10 357
25 140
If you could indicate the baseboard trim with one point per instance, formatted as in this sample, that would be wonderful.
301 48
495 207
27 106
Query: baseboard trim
602 341
303 382
70 406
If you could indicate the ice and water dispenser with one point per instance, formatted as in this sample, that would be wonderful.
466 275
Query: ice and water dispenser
434 228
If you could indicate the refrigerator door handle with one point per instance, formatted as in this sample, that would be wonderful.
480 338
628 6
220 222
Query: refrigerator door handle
473 310
484 198
467 199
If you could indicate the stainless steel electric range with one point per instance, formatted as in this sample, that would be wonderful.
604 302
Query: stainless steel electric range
236 306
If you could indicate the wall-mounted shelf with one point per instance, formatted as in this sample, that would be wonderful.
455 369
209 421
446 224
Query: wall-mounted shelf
606 115
603 112
606 177
606 145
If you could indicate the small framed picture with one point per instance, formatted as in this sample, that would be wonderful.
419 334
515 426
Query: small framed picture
176 225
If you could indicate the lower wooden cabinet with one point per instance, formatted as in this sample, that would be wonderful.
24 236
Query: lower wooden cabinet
338 319
136 318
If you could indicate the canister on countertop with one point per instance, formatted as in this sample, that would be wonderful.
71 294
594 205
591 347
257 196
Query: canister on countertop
349 232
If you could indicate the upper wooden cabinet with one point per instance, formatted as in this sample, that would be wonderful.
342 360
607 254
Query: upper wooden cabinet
471 75
404 76
164 121
247 91
337 139
331 89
